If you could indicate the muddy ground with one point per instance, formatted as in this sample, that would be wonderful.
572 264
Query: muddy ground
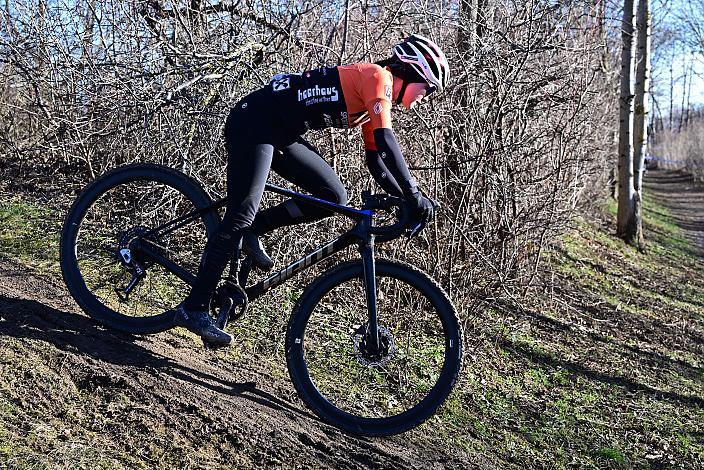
161 400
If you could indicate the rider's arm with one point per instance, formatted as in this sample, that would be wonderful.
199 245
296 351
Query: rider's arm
381 174
381 139
377 167
390 155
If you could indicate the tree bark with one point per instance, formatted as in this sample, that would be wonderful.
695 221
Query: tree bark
89 30
689 96
672 88
626 216
641 110
687 76
468 34
485 17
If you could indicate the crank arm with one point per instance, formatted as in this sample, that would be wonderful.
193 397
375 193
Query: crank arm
237 300
224 314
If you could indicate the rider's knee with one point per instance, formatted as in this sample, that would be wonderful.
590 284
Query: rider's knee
333 193
234 220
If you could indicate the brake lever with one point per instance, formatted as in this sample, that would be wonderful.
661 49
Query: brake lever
413 232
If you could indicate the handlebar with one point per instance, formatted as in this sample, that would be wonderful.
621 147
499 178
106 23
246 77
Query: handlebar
392 204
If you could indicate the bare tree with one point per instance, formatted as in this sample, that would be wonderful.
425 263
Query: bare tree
468 34
628 199
641 110
517 142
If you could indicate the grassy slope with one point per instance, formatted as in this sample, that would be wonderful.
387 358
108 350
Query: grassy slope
603 366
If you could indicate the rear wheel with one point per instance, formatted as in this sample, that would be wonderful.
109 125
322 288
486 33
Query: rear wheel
369 391
101 240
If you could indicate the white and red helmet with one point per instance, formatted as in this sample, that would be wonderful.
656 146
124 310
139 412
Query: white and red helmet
426 58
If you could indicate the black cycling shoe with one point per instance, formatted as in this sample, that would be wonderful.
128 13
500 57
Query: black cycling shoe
200 323
254 248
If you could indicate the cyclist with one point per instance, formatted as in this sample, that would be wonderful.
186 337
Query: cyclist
263 131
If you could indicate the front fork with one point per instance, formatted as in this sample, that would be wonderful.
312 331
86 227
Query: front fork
366 249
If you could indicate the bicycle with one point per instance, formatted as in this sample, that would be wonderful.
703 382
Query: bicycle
373 346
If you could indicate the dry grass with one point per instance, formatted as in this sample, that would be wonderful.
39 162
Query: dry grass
684 150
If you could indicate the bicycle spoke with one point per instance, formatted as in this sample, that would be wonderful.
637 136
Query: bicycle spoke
341 372
117 217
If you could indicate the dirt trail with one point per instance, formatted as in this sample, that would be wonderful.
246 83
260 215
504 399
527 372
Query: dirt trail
684 198
179 401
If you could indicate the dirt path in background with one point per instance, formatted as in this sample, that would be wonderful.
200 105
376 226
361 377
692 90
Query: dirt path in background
684 198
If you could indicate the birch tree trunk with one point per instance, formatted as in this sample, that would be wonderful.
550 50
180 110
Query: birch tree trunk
626 216
672 88
641 110
687 66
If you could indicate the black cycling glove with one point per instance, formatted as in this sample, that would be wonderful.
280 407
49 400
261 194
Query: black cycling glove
423 209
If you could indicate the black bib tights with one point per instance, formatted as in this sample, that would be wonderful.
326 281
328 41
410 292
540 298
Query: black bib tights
257 140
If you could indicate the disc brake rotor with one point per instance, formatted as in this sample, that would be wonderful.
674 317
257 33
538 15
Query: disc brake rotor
366 355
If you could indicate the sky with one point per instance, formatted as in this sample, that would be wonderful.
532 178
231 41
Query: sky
665 23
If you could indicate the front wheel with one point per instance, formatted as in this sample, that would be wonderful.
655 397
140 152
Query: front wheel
389 389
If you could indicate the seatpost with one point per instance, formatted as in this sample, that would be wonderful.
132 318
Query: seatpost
366 249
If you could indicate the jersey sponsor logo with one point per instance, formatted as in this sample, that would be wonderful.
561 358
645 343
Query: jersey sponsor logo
281 82
378 107
388 92
318 94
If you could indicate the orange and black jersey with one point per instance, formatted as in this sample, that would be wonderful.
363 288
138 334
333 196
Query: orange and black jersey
343 97
348 96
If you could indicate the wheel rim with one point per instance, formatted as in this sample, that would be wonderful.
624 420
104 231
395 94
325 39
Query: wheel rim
375 386
113 221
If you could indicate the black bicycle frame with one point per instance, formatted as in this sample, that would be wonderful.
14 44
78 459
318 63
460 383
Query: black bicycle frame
360 234
357 234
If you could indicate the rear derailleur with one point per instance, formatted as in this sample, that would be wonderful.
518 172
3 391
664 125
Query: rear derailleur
129 254
135 268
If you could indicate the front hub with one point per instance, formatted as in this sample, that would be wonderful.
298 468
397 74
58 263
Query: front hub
368 356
